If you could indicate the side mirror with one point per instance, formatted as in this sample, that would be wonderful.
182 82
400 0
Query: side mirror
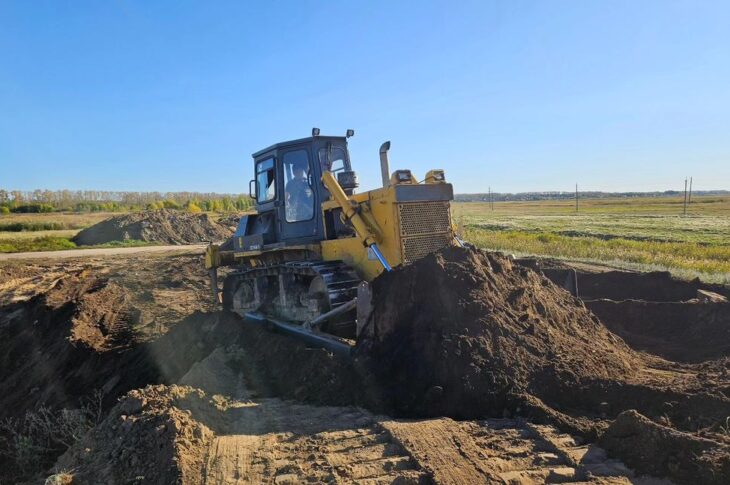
252 190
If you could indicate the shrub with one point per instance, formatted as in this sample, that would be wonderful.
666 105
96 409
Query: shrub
4 210
192 207
31 226
170 204
33 208
32 442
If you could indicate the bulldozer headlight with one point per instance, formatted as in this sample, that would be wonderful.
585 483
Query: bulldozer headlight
401 177
435 177
315 131
350 133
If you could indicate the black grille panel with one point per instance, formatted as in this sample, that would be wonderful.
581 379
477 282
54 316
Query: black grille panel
425 227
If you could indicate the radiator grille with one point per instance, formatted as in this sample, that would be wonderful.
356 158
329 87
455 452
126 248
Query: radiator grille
425 227
424 218
416 247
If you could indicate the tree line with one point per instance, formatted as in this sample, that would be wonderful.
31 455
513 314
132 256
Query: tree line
536 196
113 201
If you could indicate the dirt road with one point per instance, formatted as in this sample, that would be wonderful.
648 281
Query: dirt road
96 252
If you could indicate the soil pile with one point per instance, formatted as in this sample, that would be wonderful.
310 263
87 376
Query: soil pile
163 226
230 220
119 325
651 448
467 334
462 332
149 437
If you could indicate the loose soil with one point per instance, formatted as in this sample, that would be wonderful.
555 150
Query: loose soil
603 282
459 335
215 430
163 226
468 334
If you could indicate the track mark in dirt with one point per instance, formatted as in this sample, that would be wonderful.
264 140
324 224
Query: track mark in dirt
271 440
276 441
505 451
450 455
341 453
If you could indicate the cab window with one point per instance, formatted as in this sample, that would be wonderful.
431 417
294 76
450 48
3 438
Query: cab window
265 180
332 158
299 197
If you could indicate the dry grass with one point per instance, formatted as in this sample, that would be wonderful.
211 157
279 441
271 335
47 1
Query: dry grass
637 233
15 236
68 220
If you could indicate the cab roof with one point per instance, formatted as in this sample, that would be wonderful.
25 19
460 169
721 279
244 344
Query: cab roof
300 141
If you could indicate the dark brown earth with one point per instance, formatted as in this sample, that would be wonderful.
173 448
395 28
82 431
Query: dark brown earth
690 331
161 226
462 334
467 334
145 438
660 450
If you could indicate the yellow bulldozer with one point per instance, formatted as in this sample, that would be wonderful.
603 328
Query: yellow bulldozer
302 262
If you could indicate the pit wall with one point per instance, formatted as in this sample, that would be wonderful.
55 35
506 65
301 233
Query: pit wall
653 312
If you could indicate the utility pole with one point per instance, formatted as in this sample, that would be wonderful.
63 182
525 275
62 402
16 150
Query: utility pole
576 197
685 196
689 197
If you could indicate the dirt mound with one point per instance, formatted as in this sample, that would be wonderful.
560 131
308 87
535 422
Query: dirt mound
162 226
230 220
462 331
658 450
466 334
149 437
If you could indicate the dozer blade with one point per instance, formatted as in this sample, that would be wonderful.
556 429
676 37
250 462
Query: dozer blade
334 344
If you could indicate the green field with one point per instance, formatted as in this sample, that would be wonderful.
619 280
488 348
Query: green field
634 233
43 232
638 233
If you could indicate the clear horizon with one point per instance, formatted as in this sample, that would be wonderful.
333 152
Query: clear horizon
520 96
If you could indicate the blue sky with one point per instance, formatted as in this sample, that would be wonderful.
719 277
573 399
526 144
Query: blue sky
516 95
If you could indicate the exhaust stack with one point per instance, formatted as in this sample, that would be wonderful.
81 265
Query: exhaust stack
384 164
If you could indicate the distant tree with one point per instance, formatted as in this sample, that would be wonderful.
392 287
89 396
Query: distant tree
192 207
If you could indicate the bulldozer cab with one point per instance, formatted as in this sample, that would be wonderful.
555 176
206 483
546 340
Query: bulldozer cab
288 190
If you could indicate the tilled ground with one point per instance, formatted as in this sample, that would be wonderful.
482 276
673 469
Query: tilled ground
232 403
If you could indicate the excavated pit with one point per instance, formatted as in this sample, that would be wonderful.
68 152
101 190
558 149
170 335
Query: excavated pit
683 321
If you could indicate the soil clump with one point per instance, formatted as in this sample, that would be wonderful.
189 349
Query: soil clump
148 437
165 226
654 449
